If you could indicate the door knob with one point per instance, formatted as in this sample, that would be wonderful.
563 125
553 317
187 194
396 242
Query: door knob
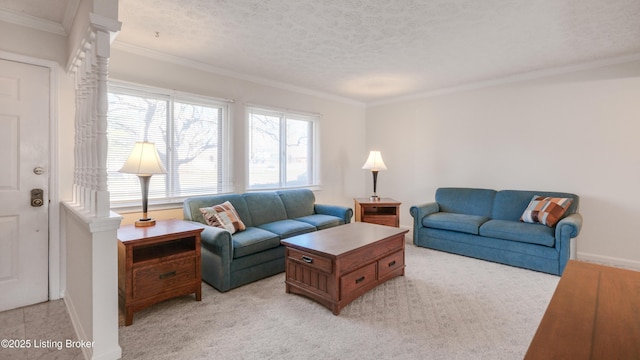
38 170
37 197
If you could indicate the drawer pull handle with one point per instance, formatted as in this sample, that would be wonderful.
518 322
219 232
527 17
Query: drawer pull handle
167 274
360 279
392 263
307 259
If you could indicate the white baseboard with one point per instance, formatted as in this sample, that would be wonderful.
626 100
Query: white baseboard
77 325
608 260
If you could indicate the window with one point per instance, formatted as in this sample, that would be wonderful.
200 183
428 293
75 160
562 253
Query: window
282 149
190 134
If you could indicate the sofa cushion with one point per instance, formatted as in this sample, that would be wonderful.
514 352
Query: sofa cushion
465 201
546 210
264 207
192 206
223 216
510 204
253 240
321 221
454 222
519 231
288 228
297 202
455 241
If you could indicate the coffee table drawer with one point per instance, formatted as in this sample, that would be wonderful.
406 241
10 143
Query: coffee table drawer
311 260
390 263
357 279
355 259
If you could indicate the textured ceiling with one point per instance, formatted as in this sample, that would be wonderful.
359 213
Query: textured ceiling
372 50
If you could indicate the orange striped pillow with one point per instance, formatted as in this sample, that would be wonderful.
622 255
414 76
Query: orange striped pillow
546 210
223 216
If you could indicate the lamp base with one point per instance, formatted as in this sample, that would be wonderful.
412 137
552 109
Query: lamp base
374 198
145 222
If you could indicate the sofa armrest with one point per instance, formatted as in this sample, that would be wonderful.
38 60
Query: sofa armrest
342 212
218 241
566 229
569 227
420 211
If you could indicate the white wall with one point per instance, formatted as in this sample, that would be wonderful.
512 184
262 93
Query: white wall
30 42
574 133
341 127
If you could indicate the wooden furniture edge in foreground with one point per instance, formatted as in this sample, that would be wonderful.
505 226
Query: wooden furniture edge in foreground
593 314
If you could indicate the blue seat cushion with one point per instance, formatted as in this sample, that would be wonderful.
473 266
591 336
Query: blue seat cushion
288 228
519 231
321 221
454 222
253 240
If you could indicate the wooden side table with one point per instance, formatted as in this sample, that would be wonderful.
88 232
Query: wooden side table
385 211
156 263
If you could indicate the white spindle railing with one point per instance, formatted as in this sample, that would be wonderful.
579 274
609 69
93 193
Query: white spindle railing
90 67
88 228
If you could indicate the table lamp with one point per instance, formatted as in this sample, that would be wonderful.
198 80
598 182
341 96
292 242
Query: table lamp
375 164
144 161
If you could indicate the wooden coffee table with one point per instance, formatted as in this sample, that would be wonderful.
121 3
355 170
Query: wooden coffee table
337 265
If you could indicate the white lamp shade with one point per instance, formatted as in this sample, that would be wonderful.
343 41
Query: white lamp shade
144 160
374 162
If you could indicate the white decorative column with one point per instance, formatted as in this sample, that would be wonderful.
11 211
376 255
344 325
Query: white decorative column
88 227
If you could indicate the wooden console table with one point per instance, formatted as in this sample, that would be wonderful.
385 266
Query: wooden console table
594 314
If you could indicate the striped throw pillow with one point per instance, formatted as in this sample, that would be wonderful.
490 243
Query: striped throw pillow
546 210
223 216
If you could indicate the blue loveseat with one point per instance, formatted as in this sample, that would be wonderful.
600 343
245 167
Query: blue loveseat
229 261
485 224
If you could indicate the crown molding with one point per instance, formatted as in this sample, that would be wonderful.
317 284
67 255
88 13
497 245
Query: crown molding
137 50
527 76
33 22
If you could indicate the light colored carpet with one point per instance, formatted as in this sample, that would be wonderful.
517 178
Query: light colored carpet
445 307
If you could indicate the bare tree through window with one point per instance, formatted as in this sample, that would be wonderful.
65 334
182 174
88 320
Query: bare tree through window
187 135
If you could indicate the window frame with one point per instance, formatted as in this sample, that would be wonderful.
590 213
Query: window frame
313 146
224 155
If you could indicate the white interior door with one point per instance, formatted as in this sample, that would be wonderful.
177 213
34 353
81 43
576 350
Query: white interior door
24 166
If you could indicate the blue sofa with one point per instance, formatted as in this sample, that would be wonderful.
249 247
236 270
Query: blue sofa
229 261
485 224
